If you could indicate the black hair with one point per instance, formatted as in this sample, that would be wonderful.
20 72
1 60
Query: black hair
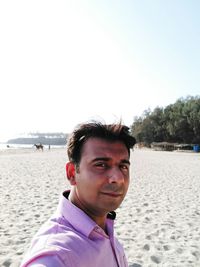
110 132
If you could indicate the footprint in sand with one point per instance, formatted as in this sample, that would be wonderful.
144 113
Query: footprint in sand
146 247
149 211
148 237
135 265
156 259
196 254
166 247
179 250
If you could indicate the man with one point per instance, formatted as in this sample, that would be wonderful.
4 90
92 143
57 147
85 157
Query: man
80 234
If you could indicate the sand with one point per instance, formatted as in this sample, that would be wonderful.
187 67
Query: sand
158 222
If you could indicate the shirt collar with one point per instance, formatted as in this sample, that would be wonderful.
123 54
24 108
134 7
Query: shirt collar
79 219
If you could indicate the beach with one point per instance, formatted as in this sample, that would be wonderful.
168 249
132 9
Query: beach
158 222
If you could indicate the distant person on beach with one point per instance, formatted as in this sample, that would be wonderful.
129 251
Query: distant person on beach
81 233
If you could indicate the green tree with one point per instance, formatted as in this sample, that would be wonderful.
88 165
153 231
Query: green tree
178 122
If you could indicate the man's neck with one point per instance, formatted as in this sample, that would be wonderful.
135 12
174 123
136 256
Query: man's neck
99 219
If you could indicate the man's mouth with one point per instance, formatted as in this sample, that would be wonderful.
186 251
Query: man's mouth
112 194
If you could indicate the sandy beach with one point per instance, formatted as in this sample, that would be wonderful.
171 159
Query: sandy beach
158 222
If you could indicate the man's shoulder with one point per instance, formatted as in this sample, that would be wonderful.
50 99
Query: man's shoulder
55 232
55 238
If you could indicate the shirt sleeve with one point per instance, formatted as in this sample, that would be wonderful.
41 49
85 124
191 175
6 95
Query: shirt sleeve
47 261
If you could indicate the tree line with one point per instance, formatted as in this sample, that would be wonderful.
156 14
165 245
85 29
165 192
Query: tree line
176 123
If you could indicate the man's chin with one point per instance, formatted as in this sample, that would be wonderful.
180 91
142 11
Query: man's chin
112 206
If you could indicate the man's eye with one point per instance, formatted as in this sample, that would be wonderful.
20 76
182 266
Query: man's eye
101 165
124 167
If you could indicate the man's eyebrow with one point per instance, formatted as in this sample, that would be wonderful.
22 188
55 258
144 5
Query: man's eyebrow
126 161
101 158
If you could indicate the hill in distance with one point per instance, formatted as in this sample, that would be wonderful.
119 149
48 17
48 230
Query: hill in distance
43 138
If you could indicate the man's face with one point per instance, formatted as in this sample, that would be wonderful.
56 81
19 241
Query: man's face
102 177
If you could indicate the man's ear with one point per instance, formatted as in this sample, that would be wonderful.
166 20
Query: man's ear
70 172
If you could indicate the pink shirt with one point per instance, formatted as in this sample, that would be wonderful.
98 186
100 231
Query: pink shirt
72 239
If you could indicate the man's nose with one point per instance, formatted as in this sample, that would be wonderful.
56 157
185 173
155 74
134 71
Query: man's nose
115 175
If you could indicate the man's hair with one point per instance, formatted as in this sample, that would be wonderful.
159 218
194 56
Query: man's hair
108 132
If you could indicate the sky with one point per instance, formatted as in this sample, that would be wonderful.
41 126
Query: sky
66 62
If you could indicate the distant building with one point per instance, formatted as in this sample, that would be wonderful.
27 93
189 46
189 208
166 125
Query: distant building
163 146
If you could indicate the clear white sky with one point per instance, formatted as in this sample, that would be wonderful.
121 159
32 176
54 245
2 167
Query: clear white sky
64 62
